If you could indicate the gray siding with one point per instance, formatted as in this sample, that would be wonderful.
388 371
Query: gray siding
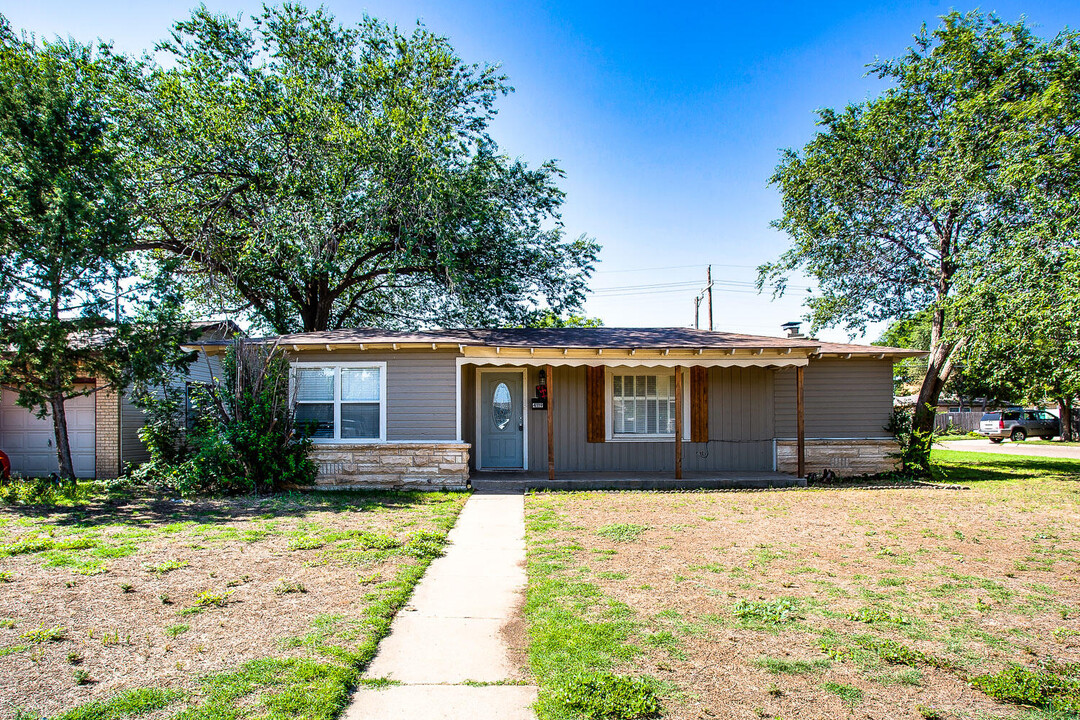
203 370
843 399
421 391
740 427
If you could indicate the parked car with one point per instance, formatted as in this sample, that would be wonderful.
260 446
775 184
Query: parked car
1018 425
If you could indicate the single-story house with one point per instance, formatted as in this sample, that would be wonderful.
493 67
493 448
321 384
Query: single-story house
103 424
396 408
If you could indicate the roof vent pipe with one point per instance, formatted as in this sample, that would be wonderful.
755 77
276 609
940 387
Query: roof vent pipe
792 329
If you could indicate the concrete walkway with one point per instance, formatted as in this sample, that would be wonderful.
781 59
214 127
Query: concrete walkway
451 632
1008 447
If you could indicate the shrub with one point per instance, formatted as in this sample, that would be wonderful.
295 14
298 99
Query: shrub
606 696
242 438
915 445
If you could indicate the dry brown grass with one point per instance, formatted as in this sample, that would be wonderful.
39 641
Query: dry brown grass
970 579
127 625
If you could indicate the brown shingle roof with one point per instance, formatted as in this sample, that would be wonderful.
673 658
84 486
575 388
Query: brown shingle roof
604 337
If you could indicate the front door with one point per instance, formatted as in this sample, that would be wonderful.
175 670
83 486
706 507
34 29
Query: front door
502 419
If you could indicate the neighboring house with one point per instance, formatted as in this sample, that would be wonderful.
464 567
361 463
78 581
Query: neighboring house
102 425
429 408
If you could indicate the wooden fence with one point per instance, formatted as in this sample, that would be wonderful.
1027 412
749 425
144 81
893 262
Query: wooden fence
960 422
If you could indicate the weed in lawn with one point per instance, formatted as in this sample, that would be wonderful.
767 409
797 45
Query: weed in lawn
43 634
1051 687
622 532
848 693
284 587
929 713
174 630
237 582
875 615
766 612
1062 634
6 577
778 666
209 598
74 658
127 587
607 696
12 649
81 677
7 623
166 566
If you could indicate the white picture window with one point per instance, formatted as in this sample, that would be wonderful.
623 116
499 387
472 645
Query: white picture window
641 404
343 402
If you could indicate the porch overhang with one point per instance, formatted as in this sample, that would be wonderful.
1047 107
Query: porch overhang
634 357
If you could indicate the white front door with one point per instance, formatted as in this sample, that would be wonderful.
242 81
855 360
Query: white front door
30 441
502 421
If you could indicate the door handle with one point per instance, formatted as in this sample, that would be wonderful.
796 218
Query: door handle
521 425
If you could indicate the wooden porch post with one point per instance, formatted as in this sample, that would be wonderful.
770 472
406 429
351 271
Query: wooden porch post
800 443
550 371
678 422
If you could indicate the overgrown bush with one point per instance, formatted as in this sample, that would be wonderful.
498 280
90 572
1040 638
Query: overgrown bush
241 438
915 445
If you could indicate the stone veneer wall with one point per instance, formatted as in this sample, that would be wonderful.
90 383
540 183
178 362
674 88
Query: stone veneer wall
844 457
106 433
407 465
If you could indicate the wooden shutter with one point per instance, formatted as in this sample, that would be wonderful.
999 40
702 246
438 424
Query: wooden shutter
594 404
699 404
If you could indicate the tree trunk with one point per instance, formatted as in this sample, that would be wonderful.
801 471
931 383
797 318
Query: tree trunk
938 368
1065 415
60 430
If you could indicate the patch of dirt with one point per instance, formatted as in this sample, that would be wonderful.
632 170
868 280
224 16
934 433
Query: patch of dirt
978 578
126 627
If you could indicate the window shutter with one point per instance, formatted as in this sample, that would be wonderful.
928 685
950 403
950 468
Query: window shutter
594 404
699 404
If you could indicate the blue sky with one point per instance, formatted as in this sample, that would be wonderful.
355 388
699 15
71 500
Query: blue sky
667 118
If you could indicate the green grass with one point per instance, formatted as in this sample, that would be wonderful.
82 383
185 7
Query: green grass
784 666
974 467
131 703
579 638
622 532
848 693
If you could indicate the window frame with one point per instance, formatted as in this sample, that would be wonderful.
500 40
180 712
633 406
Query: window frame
338 366
609 404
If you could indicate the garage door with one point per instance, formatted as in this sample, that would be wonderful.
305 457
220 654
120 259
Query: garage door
28 440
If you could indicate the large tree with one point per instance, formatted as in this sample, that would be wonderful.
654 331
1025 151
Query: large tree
1022 335
318 176
897 200
66 290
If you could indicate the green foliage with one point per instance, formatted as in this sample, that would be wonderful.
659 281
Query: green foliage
848 693
1052 687
175 630
243 438
769 612
325 176
899 205
622 532
210 598
607 696
65 227
914 444
127 704
166 566
43 634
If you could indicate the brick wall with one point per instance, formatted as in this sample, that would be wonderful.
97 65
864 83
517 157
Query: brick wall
107 433
417 466
844 457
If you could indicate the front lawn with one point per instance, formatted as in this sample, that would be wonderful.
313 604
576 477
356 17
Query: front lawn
813 603
111 608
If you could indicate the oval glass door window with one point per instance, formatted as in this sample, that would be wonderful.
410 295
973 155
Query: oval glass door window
501 406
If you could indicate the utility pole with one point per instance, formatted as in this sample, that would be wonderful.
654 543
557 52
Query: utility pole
708 289
697 313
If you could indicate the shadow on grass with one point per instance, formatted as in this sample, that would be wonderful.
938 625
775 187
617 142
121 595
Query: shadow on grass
960 466
149 510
